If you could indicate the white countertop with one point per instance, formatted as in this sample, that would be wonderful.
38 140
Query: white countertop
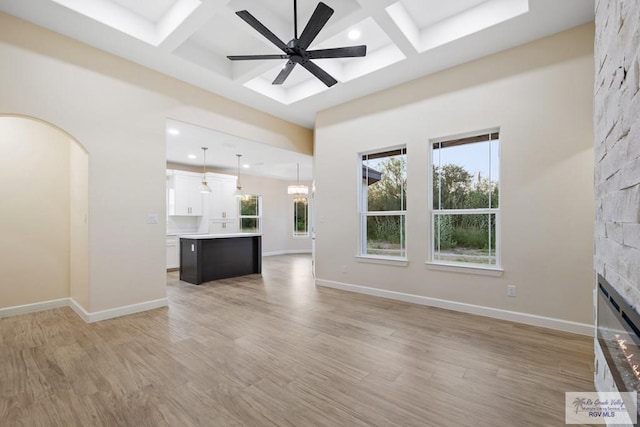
217 236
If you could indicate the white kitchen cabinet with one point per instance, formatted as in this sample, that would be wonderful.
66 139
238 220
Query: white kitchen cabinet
224 205
173 252
223 226
184 197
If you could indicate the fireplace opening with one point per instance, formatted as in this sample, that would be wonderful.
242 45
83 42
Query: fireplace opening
618 329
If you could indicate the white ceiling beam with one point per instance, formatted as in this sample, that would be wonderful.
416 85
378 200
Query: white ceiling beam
197 55
376 9
192 23
115 16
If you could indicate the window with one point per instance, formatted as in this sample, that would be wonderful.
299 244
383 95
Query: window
301 217
250 214
466 217
383 204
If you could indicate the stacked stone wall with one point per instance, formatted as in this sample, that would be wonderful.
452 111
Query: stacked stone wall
617 145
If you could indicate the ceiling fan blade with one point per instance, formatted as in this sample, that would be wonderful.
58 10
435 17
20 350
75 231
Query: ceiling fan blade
282 76
257 25
321 74
339 52
250 57
318 20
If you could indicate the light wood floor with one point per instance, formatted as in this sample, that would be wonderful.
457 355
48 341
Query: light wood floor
277 351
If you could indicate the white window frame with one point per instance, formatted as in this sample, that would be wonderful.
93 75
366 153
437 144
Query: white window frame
487 211
297 235
363 213
258 217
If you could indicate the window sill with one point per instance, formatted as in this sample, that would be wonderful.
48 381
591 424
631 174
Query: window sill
467 269
396 262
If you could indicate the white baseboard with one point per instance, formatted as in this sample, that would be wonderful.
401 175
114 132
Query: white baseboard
288 252
33 308
513 316
81 312
111 313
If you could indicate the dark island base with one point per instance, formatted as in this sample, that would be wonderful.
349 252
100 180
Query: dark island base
203 260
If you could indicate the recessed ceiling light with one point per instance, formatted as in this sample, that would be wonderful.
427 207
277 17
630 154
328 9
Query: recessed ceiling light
246 166
354 34
192 156
173 132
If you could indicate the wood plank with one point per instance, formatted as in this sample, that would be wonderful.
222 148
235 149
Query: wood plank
273 349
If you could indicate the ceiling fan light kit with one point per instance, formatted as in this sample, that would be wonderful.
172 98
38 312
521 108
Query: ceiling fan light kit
295 51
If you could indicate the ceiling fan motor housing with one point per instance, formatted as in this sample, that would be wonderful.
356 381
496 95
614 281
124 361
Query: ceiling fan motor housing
296 53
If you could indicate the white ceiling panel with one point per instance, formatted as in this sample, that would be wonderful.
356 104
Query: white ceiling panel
427 12
151 10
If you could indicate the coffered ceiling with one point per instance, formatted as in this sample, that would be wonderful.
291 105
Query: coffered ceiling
190 39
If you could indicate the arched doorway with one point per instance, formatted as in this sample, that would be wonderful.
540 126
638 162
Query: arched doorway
44 216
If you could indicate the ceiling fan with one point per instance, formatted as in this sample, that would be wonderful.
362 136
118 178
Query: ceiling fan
296 50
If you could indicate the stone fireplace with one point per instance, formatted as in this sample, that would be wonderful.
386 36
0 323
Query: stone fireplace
617 191
617 342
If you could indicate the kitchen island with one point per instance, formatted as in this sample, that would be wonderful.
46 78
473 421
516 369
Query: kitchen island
206 257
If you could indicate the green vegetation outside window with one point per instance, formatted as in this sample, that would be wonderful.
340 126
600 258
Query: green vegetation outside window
250 214
466 216
301 217
383 204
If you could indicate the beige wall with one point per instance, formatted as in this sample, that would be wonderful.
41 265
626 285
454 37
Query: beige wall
79 225
540 96
34 218
117 110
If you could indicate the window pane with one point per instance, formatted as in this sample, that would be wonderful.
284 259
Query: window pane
465 176
495 174
465 238
249 225
385 235
300 217
249 206
384 177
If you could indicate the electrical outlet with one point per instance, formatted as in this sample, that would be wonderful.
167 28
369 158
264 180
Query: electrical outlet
511 291
152 219
345 269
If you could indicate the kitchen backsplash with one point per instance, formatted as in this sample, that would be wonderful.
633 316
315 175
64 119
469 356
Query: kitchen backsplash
184 225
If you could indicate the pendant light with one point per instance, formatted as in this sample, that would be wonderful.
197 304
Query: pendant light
204 187
239 192
298 189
